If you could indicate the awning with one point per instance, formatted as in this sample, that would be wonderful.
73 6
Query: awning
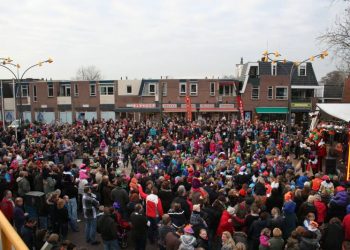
218 110
272 110
338 110
137 110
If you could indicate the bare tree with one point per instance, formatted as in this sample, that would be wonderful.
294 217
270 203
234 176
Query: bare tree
88 73
338 39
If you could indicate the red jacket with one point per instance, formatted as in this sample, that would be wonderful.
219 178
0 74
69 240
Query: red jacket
7 208
225 224
154 206
346 225
321 211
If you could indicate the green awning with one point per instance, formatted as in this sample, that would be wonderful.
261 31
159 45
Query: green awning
272 110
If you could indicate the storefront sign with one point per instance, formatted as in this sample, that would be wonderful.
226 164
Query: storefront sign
170 106
86 105
141 105
301 105
206 105
227 106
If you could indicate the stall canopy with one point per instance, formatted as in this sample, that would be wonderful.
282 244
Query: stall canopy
271 110
337 110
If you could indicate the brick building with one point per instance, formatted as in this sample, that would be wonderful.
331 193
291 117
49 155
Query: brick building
265 90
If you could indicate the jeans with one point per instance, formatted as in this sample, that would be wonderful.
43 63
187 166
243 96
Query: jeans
110 245
90 229
140 243
153 230
72 207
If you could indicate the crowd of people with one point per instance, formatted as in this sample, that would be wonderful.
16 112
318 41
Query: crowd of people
179 185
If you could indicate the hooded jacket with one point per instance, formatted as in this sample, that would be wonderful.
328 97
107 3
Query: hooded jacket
187 242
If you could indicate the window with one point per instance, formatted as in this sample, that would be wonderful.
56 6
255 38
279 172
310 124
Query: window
270 93
182 89
106 90
193 89
129 89
152 89
281 93
302 69
165 88
35 97
212 89
226 90
254 71
255 93
50 89
76 90
65 90
274 69
25 90
92 89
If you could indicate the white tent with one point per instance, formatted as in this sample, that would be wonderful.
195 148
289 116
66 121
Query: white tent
337 110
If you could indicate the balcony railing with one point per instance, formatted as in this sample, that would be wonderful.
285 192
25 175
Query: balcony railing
9 237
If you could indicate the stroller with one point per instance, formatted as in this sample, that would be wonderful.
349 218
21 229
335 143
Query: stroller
123 226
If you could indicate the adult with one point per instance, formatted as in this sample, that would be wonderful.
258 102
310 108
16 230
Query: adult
107 227
90 205
139 227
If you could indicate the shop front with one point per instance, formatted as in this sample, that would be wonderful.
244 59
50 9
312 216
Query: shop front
272 113
216 112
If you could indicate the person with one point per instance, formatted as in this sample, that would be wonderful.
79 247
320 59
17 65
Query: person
227 241
119 194
52 242
177 215
18 214
276 242
139 227
107 227
202 240
333 235
61 219
23 183
7 206
164 228
346 224
27 232
264 239
240 246
196 219
188 241
90 205
154 211
172 239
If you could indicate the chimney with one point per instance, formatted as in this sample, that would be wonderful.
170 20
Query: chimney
126 78
121 78
166 77
241 60
161 77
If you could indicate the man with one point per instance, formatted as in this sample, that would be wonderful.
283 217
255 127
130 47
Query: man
120 195
90 205
107 227
23 183
164 229
27 232
139 227
154 210
7 206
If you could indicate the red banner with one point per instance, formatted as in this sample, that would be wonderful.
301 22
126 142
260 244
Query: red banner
240 106
188 108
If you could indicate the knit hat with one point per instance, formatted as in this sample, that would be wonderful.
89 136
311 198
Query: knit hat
242 192
188 229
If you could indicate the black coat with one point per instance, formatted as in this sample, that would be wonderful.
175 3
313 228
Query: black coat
107 227
166 196
333 237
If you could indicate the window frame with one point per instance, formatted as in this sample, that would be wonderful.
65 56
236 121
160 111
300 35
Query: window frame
164 88
302 66
35 94
127 87
180 85
196 92
65 87
212 87
92 93
22 91
254 88
268 93
106 92
153 93
281 98
50 86
76 89
273 68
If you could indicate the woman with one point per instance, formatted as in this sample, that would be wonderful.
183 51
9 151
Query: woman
177 215
227 241
61 219
333 235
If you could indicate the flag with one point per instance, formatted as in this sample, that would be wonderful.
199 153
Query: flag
188 108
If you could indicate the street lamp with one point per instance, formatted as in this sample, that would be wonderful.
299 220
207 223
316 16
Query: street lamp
5 63
295 64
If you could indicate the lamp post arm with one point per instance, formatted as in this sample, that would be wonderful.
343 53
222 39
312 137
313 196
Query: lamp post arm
28 70
9 70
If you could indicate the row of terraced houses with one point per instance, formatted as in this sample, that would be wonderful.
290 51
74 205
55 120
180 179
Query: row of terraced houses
264 87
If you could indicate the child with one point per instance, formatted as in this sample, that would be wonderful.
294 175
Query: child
276 242
308 219
264 239
188 241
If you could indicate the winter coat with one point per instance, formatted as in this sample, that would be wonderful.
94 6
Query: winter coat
172 241
346 226
321 211
276 243
7 208
187 242
274 201
224 224
23 186
333 237
107 227
120 195
203 243
167 197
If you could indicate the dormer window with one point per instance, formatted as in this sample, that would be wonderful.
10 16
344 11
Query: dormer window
302 69
274 69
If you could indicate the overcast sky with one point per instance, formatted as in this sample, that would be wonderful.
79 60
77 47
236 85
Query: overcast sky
153 38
